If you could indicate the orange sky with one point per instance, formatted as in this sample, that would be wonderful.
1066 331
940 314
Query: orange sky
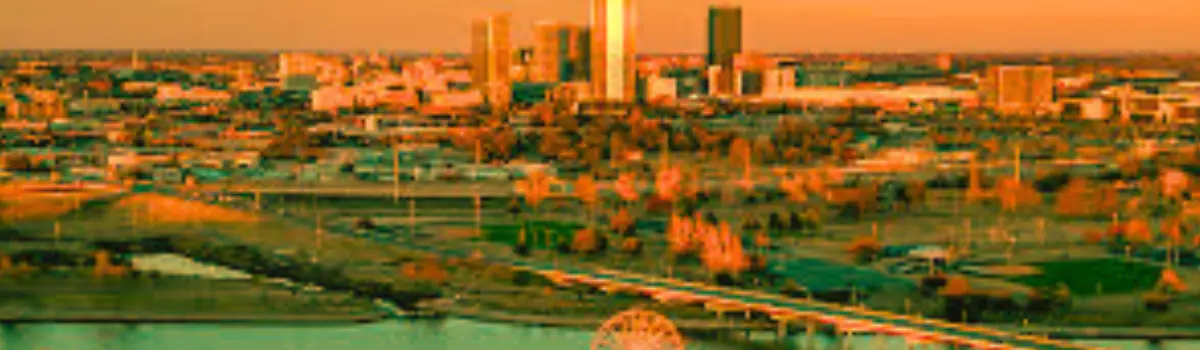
666 25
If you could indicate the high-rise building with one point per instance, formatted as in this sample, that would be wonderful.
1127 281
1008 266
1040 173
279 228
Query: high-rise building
134 62
612 50
561 52
491 57
724 41
1020 89
945 62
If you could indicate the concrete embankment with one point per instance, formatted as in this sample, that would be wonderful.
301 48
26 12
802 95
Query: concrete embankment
591 322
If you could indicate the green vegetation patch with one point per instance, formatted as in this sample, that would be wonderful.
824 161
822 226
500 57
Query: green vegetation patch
509 233
1115 276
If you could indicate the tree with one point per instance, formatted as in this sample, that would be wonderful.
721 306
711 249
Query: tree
535 188
667 183
1070 200
1137 233
739 152
627 187
722 252
503 142
1015 194
864 249
585 241
1174 182
914 193
795 187
585 190
1129 166
631 245
681 235
429 271
293 140
764 150
623 222
17 162
552 144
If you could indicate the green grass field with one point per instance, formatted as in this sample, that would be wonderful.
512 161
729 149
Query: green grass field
1116 276
508 233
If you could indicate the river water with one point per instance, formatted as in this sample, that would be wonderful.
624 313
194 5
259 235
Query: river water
451 334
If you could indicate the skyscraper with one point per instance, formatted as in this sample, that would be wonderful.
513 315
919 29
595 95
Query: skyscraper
560 52
945 62
581 54
724 41
491 57
613 50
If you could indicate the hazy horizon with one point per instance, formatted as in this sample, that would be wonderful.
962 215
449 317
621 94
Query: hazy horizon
666 26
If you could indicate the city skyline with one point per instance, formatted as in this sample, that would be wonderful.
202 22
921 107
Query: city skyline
666 26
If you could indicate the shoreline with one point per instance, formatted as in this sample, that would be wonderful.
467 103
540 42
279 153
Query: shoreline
215 318
1109 333
582 323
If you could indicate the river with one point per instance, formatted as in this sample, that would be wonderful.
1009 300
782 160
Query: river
451 334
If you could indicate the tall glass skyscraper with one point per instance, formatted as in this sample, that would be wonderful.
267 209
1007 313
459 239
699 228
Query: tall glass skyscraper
613 23
724 42
491 57
560 52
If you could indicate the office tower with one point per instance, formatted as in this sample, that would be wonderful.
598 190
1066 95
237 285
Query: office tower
548 51
479 45
560 52
1020 89
581 54
613 50
945 62
724 41
491 57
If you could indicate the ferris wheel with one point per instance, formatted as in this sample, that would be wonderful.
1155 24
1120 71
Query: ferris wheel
638 329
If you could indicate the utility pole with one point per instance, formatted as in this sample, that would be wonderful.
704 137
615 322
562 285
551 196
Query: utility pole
412 204
478 197
395 174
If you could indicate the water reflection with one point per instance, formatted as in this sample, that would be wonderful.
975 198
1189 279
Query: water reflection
12 334
451 334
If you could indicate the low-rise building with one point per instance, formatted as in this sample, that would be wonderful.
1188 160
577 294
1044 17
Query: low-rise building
661 89
177 93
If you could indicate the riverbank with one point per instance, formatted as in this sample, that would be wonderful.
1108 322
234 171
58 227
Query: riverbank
80 298
221 318
1109 333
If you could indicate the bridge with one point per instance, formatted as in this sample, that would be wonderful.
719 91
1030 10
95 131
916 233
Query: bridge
783 309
